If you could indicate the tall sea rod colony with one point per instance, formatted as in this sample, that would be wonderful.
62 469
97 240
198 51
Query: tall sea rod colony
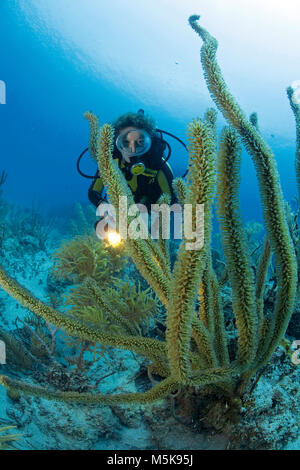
195 353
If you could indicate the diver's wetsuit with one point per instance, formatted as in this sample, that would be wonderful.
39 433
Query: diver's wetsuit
147 187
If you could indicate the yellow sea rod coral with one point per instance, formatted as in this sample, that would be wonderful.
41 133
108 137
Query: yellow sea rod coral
270 190
6 440
295 106
235 248
190 263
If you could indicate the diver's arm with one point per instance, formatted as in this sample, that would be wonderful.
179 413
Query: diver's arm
95 191
164 180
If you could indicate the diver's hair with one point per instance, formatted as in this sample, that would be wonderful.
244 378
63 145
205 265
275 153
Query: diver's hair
135 120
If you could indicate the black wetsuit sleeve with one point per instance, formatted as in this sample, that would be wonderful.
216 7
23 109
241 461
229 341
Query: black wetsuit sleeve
95 191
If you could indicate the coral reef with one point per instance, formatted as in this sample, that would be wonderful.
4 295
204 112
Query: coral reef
197 360
6 440
83 220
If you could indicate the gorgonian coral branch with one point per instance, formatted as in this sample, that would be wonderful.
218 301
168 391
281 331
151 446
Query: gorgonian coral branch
159 391
190 263
235 249
269 185
261 277
295 105
146 254
180 188
151 348
94 131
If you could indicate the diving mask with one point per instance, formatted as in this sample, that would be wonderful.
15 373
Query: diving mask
134 142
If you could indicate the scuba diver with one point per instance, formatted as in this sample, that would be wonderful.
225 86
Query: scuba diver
139 151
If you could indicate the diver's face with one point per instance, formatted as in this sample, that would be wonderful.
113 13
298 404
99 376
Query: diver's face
134 139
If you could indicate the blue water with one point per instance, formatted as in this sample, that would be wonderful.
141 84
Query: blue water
51 80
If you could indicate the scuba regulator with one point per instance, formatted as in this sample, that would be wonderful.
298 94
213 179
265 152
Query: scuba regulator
134 143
